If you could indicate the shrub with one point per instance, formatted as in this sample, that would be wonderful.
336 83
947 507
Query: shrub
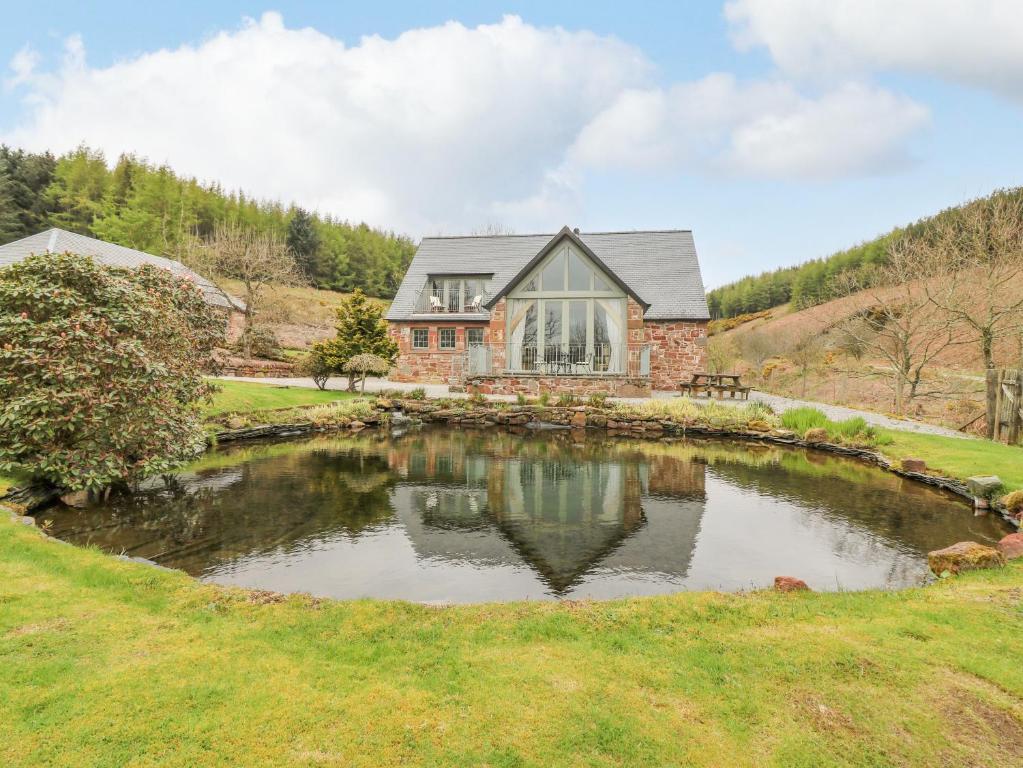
544 399
566 400
801 419
597 399
363 365
361 330
260 342
1014 502
315 366
477 398
419 393
101 371
521 399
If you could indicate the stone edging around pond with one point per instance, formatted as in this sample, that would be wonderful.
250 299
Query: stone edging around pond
587 417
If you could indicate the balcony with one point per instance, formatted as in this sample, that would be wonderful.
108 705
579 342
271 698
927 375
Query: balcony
558 360
452 296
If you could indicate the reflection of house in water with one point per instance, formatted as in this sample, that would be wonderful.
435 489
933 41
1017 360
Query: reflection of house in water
564 510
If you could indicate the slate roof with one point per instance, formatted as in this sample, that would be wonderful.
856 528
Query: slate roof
661 267
61 241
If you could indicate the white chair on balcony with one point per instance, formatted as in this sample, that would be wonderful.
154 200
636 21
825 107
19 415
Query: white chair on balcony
436 305
477 304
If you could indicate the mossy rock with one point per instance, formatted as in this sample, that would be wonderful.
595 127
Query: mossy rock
816 435
1013 502
964 556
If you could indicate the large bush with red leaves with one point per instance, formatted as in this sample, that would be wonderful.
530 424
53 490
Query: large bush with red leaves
100 371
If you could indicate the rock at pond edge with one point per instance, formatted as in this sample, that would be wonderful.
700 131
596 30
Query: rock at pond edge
914 465
790 584
1011 546
964 556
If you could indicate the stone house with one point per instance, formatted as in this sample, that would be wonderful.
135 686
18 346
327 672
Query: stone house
612 312
112 255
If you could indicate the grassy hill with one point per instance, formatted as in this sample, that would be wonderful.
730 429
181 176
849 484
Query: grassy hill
301 314
813 282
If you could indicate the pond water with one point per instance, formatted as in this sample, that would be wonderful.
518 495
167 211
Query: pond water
463 516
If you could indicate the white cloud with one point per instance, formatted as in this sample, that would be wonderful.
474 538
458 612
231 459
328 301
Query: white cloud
429 130
972 42
762 128
442 128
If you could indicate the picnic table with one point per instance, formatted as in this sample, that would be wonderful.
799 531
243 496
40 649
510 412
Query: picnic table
715 384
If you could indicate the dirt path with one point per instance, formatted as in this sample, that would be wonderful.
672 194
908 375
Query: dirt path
779 403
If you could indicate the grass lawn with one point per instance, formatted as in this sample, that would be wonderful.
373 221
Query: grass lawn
244 396
108 663
958 458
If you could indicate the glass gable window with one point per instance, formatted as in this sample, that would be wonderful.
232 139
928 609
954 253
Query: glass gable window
567 316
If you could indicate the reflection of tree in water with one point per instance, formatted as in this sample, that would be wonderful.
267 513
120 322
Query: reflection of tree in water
262 505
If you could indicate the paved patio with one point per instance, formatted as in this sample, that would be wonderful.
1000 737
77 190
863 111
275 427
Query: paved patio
777 402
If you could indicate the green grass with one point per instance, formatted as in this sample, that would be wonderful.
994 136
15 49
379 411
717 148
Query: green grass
243 396
107 663
958 458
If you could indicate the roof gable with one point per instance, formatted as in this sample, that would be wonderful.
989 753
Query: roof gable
661 267
558 239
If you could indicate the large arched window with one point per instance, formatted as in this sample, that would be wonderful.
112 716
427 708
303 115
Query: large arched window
567 316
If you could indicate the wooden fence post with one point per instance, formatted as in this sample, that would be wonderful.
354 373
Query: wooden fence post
1016 412
992 400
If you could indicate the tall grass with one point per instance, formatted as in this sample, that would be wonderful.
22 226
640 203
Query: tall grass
855 429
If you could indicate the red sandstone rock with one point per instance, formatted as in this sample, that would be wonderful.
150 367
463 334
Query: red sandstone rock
578 419
964 556
914 465
1011 546
790 584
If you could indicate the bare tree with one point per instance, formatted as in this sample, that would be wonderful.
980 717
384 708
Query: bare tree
805 350
757 347
492 229
974 260
900 324
721 353
260 260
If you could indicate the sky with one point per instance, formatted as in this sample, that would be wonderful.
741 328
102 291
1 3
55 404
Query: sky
777 130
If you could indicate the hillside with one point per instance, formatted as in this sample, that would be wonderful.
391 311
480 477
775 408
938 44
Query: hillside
813 282
151 208
299 315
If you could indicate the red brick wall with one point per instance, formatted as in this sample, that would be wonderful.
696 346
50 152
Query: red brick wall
677 349
433 365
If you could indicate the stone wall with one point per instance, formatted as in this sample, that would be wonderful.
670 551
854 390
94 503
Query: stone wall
432 365
677 349
266 369
537 384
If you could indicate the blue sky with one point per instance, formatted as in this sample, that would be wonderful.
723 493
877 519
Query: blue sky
778 130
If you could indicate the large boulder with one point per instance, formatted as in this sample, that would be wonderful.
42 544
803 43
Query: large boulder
964 556
1011 546
984 486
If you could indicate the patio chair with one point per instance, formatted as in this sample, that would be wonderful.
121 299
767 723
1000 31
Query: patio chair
436 305
583 366
477 304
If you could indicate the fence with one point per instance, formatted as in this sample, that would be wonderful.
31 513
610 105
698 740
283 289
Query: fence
1005 405
559 360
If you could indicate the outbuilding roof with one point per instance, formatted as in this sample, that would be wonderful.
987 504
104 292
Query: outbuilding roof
61 241
659 267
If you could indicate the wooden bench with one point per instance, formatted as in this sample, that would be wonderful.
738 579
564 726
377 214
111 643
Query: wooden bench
715 385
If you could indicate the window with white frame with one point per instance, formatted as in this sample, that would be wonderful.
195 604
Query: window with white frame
473 337
466 294
567 314
420 338
446 338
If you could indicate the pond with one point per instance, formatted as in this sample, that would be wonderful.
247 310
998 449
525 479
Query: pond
464 516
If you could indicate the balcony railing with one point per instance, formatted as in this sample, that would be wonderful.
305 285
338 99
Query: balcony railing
558 360
451 302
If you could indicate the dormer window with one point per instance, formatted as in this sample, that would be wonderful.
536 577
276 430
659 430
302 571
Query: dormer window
457 294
